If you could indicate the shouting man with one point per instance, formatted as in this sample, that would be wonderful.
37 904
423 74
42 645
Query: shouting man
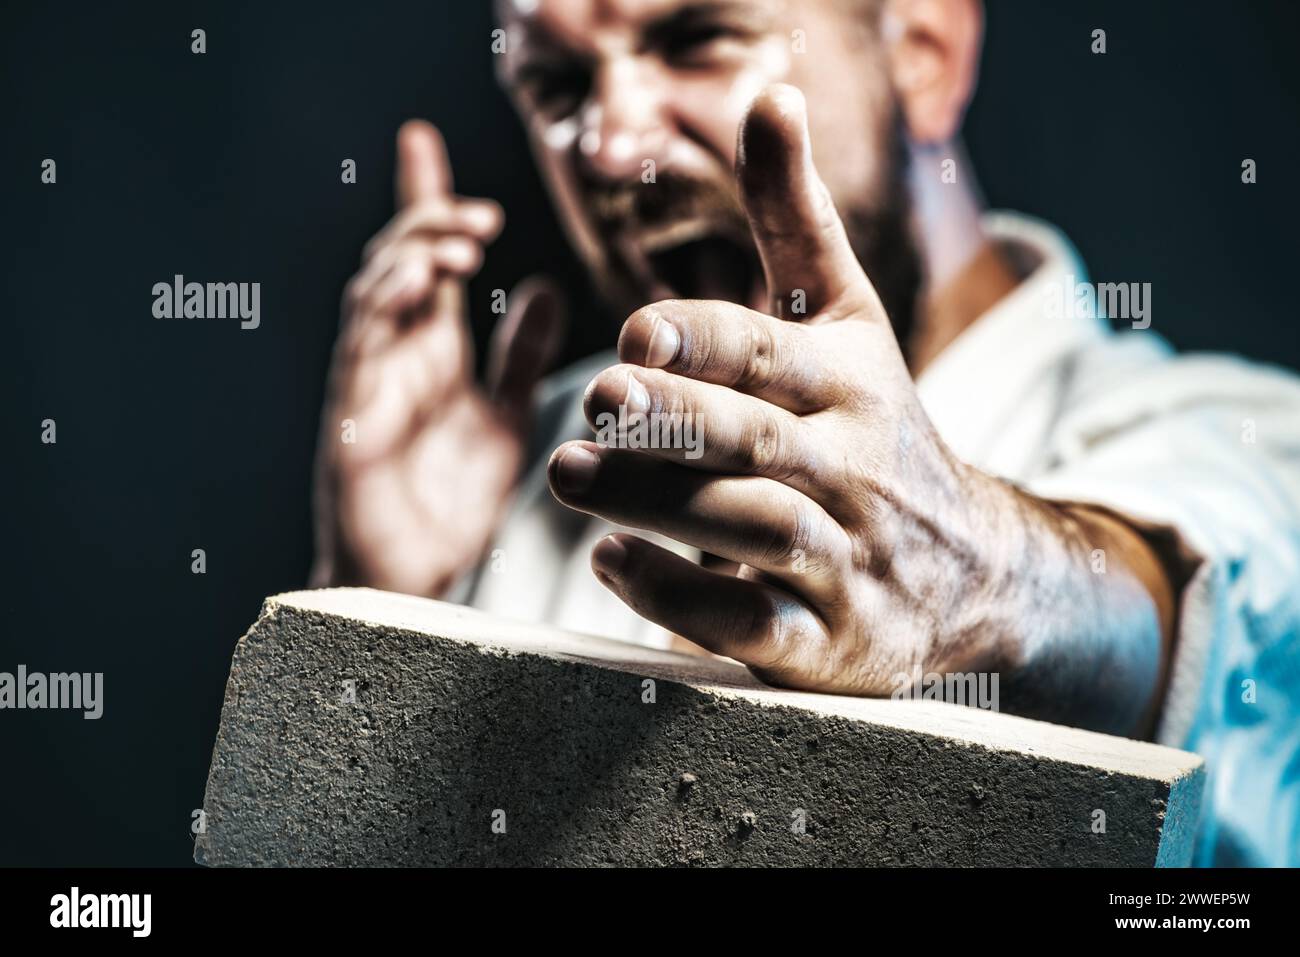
907 460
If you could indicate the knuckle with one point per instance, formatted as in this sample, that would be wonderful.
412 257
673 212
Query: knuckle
790 534
667 397
760 358
762 446
703 353
816 546
775 640
757 630
834 554
802 461
859 402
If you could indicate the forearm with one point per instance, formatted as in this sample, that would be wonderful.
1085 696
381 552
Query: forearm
1086 619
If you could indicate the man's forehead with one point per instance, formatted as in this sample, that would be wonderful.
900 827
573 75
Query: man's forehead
562 16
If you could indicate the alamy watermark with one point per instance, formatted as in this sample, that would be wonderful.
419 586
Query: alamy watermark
75 909
179 299
975 689
1128 301
651 430
36 691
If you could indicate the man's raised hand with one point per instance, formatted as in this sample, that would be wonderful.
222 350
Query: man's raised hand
416 459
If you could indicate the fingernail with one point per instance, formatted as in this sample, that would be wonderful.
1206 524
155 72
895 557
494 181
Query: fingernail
664 343
576 470
637 400
609 555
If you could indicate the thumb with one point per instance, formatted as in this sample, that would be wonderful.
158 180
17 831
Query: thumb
798 232
523 346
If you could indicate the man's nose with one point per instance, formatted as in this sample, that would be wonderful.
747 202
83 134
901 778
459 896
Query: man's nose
623 124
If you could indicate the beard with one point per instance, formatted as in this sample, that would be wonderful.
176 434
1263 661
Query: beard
686 237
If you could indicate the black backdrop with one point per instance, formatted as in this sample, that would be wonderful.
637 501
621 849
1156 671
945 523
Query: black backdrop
225 167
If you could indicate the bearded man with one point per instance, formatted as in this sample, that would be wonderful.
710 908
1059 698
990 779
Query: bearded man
908 460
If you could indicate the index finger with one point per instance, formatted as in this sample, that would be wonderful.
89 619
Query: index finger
423 169
727 344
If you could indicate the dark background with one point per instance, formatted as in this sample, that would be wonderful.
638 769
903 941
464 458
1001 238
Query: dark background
225 167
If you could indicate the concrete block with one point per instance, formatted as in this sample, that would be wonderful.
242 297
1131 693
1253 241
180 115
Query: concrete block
365 728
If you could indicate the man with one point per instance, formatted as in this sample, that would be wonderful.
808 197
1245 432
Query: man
909 463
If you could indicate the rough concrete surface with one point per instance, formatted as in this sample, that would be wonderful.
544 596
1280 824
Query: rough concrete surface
478 741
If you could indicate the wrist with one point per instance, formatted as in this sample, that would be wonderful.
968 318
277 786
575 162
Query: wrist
1000 569
1071 622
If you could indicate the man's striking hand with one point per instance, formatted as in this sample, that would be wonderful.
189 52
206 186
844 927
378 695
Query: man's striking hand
865 546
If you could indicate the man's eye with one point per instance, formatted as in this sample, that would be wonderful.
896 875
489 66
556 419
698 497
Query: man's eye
556 92
694 43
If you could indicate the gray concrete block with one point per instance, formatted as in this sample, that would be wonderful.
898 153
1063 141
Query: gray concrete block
364 728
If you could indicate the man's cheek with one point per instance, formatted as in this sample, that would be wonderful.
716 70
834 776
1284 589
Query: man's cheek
734 88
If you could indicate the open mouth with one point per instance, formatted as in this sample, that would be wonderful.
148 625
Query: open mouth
711 265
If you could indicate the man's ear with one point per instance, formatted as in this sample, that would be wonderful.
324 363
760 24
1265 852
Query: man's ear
933 48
